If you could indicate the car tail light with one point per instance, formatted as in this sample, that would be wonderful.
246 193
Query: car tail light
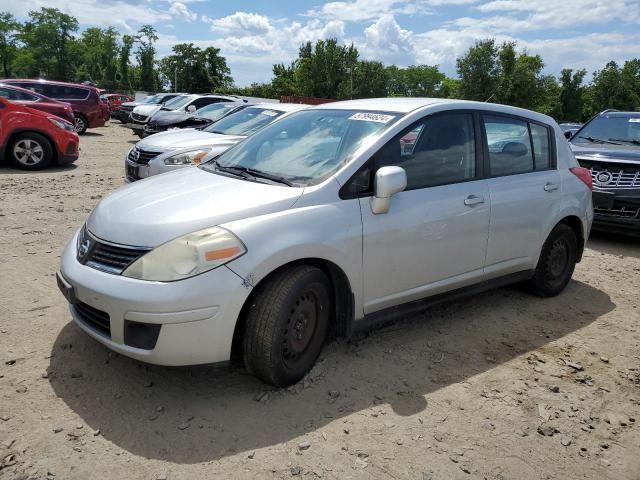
584 174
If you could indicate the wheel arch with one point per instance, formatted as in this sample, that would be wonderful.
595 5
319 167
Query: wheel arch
19 131
343 300
574 222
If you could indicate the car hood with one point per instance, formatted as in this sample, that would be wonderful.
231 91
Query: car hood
146 109
129 104
607 152
153 211
185 138
164 117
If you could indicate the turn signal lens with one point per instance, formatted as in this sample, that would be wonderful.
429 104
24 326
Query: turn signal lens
584 174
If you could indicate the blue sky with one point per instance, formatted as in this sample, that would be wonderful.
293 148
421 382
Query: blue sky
254 34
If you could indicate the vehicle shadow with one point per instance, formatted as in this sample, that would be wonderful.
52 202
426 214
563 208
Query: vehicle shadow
9 170
614 244
92 134
195 414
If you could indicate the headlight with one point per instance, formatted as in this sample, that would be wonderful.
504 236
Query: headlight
187 256
58 122
192 157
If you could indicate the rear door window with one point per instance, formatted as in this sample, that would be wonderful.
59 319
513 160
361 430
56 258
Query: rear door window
541 147
11 94
509 145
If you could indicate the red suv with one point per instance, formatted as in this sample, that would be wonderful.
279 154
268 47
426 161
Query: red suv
32 99
32 139
88 110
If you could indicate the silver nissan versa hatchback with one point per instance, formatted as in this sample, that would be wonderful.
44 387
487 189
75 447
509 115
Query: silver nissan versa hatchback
327 221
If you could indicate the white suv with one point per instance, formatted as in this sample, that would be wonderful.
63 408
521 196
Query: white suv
328 220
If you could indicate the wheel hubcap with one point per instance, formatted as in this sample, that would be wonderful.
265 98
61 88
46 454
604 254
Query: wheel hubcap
558 258
79 124
28 152
300 327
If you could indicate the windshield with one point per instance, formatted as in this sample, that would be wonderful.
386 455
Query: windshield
611 127
152 99
178 102
307 146
215 110
245 122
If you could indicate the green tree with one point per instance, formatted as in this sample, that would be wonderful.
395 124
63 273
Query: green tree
369 81
323 69
571 94
194 69
415 81
145 54
49 35
124 54
9 29
478 71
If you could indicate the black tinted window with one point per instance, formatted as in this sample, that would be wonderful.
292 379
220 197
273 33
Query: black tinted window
59 92
509 145
11 94
435 151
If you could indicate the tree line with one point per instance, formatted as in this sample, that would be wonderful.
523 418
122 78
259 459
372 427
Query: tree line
48 45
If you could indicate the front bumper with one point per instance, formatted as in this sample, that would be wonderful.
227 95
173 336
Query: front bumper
617 211
197 316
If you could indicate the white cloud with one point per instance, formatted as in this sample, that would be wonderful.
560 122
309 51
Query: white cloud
363 10
95 12
386 41
181 12
241 23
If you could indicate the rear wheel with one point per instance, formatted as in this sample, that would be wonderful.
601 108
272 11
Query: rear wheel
557 262
81 123
30 151
286 325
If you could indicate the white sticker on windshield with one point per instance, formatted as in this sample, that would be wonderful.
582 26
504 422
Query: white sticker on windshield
269 113
634 120
372 117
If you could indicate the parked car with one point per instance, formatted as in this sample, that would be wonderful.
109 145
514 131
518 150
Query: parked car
124 111
320 222
569 128
34 100
609 146
171 150
182 103
162 120
32 139
116 99
88 110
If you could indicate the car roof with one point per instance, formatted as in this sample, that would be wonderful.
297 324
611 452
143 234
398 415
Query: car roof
42 80
409 104
282 107
617 113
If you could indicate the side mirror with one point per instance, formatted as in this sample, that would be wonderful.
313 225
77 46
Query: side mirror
388 182
191 108
568 134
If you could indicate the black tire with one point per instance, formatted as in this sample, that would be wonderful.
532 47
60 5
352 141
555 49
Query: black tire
30 151
81 123
286 325
556 264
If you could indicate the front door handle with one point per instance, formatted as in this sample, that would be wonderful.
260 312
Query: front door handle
472 200
550 187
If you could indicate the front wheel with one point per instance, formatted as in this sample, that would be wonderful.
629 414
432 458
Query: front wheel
81 123
557 262
286 325
30 151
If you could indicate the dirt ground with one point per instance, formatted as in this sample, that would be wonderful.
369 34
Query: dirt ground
498 386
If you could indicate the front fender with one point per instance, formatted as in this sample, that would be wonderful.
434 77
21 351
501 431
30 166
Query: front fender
331 232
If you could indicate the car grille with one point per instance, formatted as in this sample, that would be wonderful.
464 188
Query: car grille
139 118
622 208
94 318
142 157
613 176
106 257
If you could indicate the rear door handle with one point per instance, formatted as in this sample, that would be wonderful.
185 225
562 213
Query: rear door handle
472 200
550 187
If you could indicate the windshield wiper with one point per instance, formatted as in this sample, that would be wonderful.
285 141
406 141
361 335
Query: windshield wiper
597 140
634 142
252 172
